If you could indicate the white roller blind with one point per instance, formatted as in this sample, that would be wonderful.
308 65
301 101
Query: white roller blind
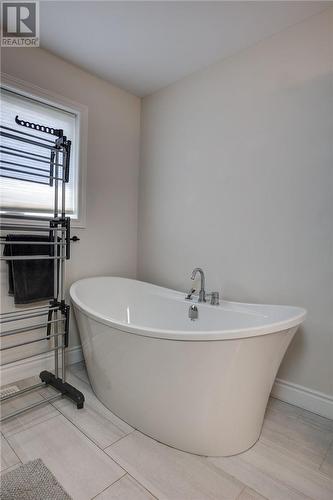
22 196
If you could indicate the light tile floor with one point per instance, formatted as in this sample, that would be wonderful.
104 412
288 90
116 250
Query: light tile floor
95 455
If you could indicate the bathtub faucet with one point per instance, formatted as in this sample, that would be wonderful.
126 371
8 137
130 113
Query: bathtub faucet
202 293
214 296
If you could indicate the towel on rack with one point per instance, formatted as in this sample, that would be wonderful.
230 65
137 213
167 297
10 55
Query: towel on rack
30 280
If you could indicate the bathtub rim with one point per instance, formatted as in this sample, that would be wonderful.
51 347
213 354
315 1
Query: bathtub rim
209 335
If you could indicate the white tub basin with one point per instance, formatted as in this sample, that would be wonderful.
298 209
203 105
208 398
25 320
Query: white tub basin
201 386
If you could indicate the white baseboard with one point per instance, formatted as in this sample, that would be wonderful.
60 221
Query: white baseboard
33 366
298 395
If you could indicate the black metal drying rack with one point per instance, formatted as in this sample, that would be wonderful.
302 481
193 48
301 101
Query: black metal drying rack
31 157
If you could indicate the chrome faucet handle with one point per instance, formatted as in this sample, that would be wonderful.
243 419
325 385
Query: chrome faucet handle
190 293
214 298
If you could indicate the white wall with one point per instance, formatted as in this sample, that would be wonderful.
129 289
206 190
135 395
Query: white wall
237 177
109 242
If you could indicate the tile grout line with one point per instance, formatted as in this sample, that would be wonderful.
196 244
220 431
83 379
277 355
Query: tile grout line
133 477
88 437
224 473
204 459
53 405
83 434
112 484
100 449
144 487
318 426
300 414
326 455
109 446
117 440
275 479
10 446
257 492
241 491
284 483
282 448
122 477
306 446
115 425
91 441
299 417
4 471
111 458
32 425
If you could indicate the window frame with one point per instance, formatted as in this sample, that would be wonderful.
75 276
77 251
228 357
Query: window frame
80 111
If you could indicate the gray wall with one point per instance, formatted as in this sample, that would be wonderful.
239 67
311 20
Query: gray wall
237 177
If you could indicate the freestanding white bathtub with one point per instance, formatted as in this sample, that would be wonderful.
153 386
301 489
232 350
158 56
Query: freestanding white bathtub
201 386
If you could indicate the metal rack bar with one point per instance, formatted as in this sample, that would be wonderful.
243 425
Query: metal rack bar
30 356
17 131
33 405
28 316
43 309
6 242
32 257
29 328
22 391
26 217
53 171
55 250
14 227
27 141
32 341
10 169
62 273
40 169
29 242
5 176
32 156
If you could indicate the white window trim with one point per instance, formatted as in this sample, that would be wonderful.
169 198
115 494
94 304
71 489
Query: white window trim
81 111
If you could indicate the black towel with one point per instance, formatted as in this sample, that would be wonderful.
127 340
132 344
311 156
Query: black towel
30 280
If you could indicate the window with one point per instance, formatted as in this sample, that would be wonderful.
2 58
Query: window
19 196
